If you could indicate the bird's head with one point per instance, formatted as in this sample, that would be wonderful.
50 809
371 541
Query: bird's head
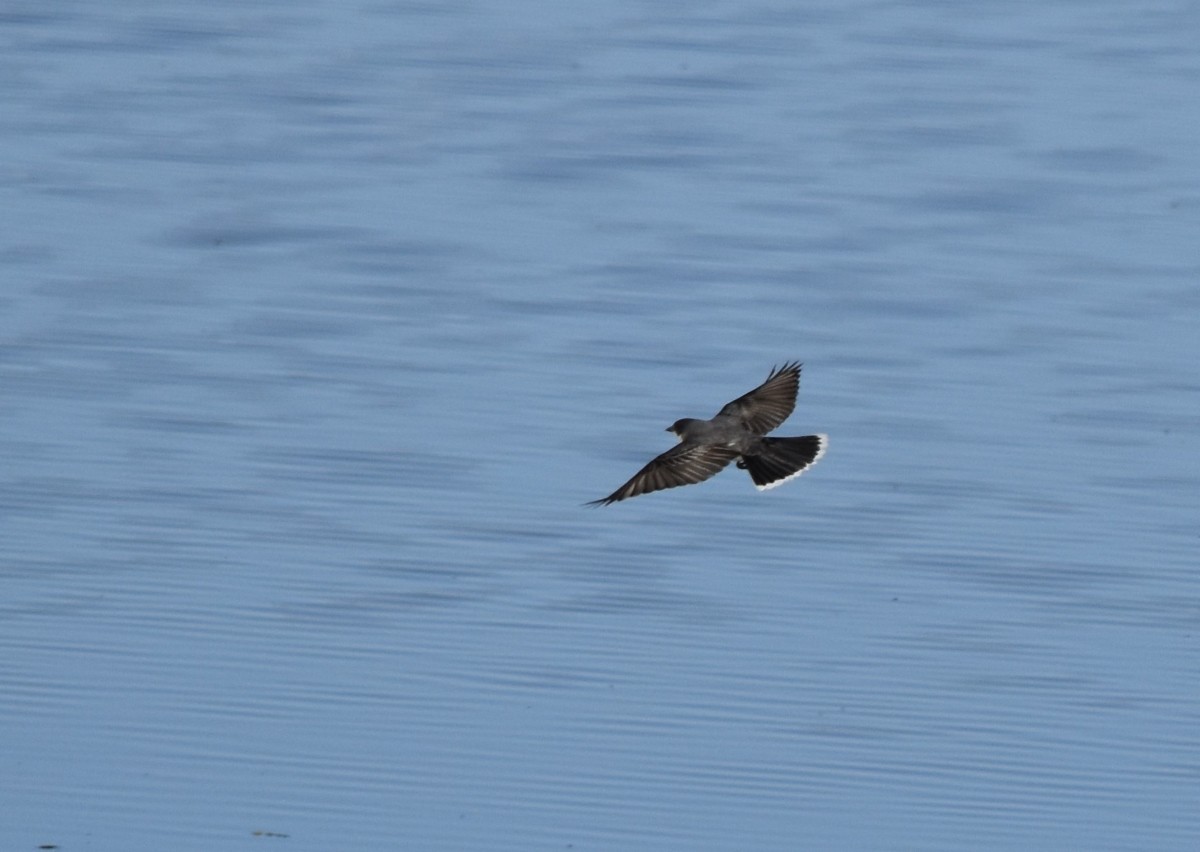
678 426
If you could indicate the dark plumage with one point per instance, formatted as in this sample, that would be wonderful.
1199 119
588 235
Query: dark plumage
737 432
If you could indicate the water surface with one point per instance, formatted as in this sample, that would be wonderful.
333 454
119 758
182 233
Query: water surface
320 321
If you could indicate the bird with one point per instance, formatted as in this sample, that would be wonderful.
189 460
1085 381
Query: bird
739 431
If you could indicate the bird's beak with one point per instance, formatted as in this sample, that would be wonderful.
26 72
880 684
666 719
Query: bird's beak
668 429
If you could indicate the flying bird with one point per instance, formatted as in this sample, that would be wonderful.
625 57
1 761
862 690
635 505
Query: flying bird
739 431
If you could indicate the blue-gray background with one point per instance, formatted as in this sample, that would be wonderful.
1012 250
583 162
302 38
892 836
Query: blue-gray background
320 320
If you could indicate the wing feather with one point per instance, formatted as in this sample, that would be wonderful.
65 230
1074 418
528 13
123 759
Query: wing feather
681 465
768 405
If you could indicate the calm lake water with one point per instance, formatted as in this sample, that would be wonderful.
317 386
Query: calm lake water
320 321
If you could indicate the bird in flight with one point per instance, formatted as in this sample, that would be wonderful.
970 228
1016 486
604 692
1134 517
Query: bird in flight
739 431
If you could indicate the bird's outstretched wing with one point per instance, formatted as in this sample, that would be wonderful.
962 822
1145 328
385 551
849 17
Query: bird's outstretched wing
681 465
769 404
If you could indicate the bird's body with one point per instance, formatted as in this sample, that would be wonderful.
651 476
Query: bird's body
739 431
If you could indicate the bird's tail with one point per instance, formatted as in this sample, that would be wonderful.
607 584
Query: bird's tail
781 459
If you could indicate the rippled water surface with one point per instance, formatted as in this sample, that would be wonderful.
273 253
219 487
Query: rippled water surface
320 321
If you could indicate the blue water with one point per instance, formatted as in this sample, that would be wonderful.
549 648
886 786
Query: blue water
320 321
